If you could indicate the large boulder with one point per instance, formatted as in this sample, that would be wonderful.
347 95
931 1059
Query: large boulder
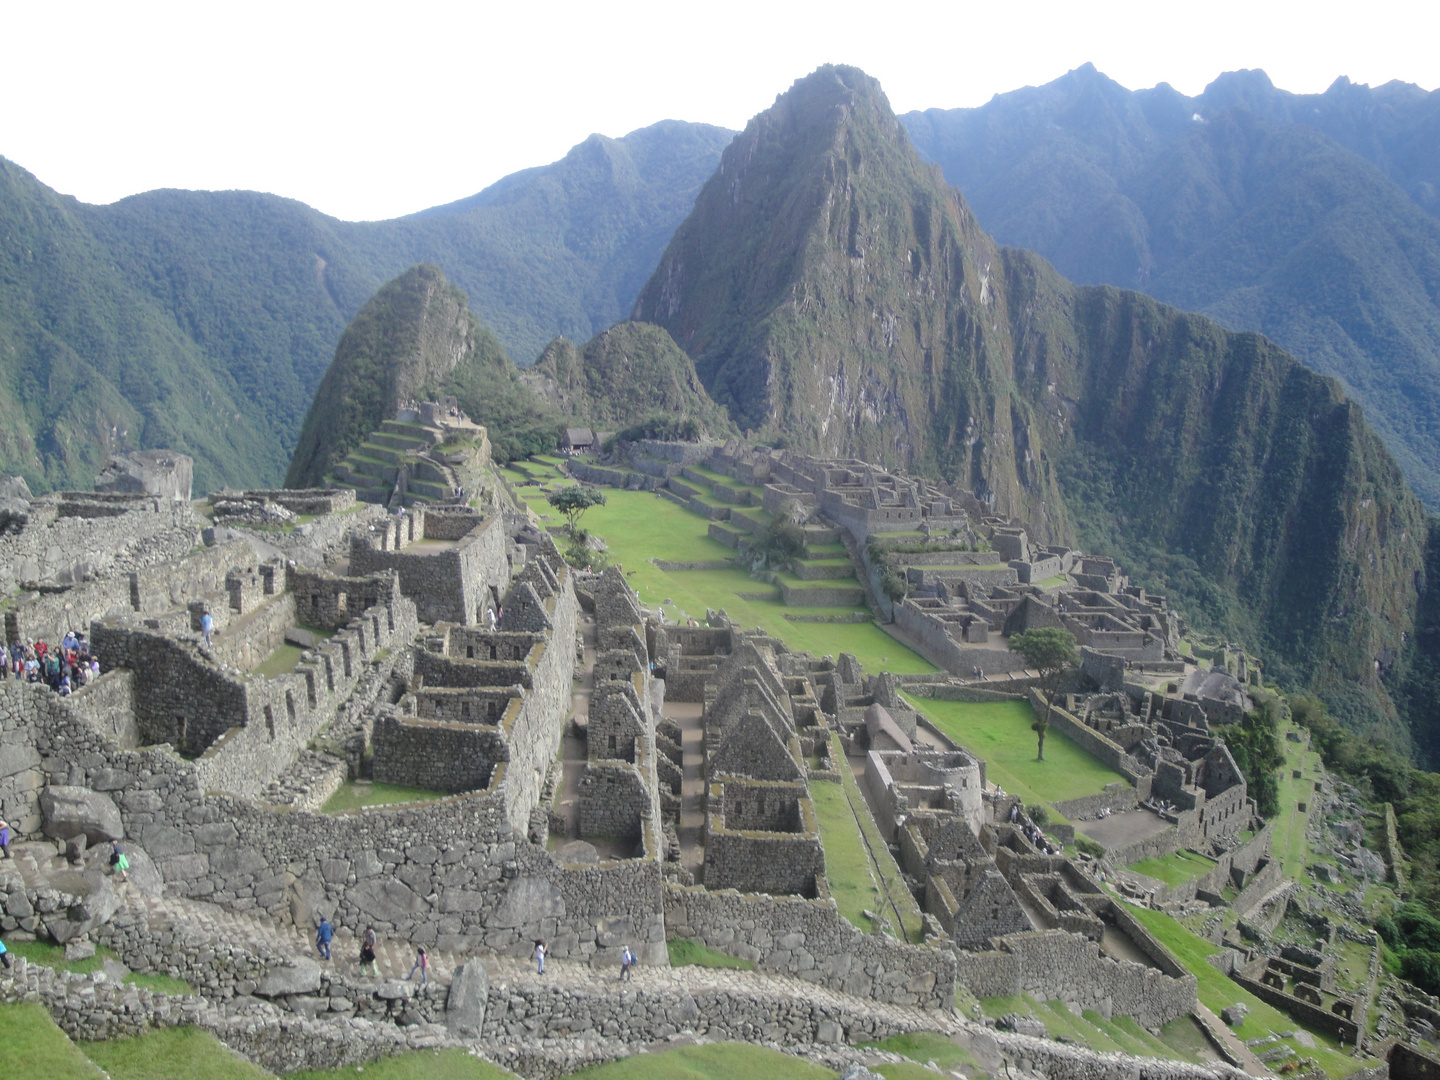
148 472
527 900
465 1004
78 811
298 976
88 900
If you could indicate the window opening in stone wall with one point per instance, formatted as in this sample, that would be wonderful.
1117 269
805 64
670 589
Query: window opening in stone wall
494 655
612 742
290 705
315 601
465 710
469 652
270 723
493 709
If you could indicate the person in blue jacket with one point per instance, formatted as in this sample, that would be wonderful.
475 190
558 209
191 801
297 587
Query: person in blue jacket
323 936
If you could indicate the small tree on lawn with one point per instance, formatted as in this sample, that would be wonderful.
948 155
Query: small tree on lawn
1050 650
573 501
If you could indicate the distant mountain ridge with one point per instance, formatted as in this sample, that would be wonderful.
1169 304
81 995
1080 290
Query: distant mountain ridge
1308 217
204 321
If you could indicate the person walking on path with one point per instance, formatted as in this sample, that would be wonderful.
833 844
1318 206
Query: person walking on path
367 953
119 864
422 965
207 624
540 958
4 839
627 962
323 935
4 956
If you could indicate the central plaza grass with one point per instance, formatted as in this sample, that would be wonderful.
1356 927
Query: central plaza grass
1000 733
640 525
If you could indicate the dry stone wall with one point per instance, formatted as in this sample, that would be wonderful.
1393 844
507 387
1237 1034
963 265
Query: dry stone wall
810 940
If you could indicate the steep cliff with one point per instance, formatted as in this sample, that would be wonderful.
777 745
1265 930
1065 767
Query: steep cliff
836 294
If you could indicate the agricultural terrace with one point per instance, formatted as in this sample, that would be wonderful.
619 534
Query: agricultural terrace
1000 733
638 526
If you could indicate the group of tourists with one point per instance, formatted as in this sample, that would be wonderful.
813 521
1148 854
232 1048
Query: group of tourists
325 934
64 668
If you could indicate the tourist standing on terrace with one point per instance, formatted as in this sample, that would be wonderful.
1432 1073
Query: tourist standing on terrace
323 934
422 965
367 953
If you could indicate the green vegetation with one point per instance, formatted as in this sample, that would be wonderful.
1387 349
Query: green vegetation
686 951
1050 651
926 1046
895 902
53 956
632 377
712 1061
638 526
452 1064
1255 745
1386 777
1000 733
1176 868
1217 992
280 662
171 1054
32 1046
354 794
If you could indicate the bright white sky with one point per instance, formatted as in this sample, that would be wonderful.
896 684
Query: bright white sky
369 110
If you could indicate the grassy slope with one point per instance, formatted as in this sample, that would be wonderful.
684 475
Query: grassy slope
452 1064
1000 733
31 1046
1217 992
171 1054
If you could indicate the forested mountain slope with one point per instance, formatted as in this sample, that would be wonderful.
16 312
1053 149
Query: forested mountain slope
1306 217
837 294
203 321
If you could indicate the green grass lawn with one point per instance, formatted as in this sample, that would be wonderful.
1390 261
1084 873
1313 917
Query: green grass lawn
1176 868
280 662
1217 992
352 796
638 525
1000 733
171 1054
923 1047
689 952
861 875
452 1064
33 1047
1289 843
713 1061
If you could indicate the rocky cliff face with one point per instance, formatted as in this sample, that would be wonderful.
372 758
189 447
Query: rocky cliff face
836 294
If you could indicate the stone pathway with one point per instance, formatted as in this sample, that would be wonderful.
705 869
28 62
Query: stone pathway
574 751
1239 1051
692 783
